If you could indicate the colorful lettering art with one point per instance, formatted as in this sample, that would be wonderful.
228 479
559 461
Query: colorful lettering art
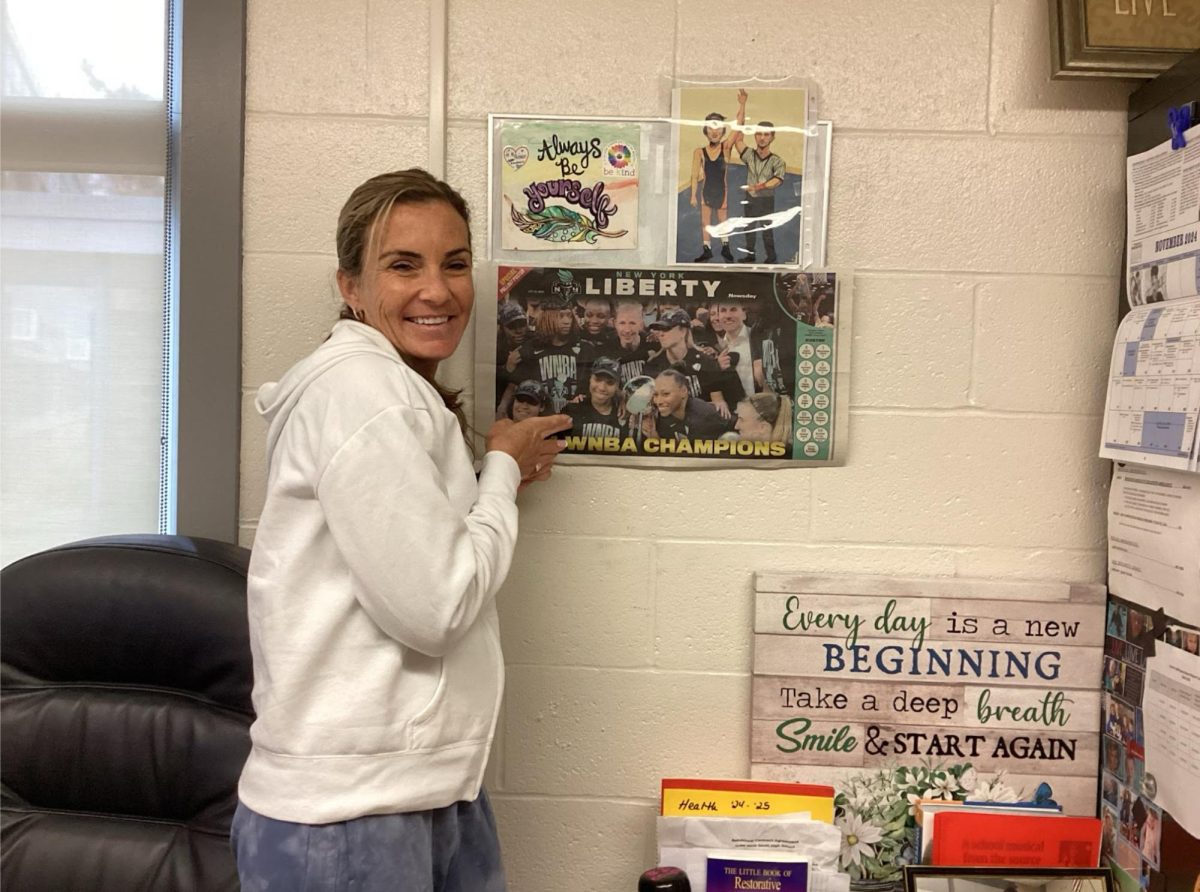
568 185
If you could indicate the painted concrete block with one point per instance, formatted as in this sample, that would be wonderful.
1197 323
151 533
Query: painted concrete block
656 504
289 303
972 203
467 171
912 340
596 732
529 58
398 57
876 64
578 602
1044 344
1067 565
967 480
300 171
307 57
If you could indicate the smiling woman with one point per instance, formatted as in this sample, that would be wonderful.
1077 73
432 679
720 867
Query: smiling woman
378 671
417 287
412 279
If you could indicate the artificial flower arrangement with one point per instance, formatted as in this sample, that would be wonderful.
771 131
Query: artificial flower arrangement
875 810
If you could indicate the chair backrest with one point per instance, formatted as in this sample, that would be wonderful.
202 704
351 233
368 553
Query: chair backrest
125 704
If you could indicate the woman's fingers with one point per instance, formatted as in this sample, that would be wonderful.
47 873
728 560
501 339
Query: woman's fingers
545 426
531 442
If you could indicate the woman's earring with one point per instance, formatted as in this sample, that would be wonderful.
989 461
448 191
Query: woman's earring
360 315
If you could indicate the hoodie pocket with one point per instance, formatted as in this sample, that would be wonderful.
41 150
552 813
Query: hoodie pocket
468 695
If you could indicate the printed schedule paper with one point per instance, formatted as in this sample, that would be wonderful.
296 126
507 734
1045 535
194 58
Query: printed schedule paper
1154 539
1153 400
1163 222
1172 715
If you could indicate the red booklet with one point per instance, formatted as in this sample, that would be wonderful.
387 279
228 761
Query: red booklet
975 839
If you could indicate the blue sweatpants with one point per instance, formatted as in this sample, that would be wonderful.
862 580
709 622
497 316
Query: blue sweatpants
451 849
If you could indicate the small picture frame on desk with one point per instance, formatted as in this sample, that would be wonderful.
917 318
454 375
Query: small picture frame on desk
1007 879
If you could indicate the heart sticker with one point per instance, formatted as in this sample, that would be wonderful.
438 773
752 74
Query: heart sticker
516 156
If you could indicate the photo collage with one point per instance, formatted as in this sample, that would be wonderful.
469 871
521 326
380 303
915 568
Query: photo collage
1133 825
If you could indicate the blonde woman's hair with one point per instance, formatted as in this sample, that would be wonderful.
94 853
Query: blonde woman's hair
374 200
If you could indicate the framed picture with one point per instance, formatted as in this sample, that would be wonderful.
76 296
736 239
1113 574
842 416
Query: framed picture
1121 38
739 168
1007 879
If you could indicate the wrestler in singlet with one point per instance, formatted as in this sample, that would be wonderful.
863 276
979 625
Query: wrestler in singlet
714 178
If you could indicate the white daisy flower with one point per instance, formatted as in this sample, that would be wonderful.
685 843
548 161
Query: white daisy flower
857 839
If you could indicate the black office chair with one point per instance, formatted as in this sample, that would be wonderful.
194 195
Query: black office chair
125 705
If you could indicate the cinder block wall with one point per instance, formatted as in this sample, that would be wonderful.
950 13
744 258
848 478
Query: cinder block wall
981 206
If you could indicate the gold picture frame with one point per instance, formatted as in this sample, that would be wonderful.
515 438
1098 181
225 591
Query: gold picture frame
1121 38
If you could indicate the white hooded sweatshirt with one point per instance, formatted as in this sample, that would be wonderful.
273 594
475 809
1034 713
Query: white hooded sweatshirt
377 664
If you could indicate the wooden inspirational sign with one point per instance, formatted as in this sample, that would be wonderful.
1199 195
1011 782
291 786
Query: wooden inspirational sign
978 688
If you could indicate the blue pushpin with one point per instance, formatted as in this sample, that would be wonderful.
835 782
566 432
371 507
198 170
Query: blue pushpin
1180 119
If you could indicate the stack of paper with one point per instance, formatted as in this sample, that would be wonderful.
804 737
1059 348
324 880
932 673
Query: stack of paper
968 838
700 797
726 831
928 809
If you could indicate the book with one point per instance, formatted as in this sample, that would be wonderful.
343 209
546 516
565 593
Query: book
967 838
742 870
927 808
695 797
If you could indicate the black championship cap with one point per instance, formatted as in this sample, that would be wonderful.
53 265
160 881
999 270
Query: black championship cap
602 365
530 390
671 320
509 313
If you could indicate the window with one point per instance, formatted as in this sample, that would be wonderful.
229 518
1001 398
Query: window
102 378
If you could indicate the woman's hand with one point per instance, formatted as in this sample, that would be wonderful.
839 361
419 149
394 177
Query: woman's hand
526 441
